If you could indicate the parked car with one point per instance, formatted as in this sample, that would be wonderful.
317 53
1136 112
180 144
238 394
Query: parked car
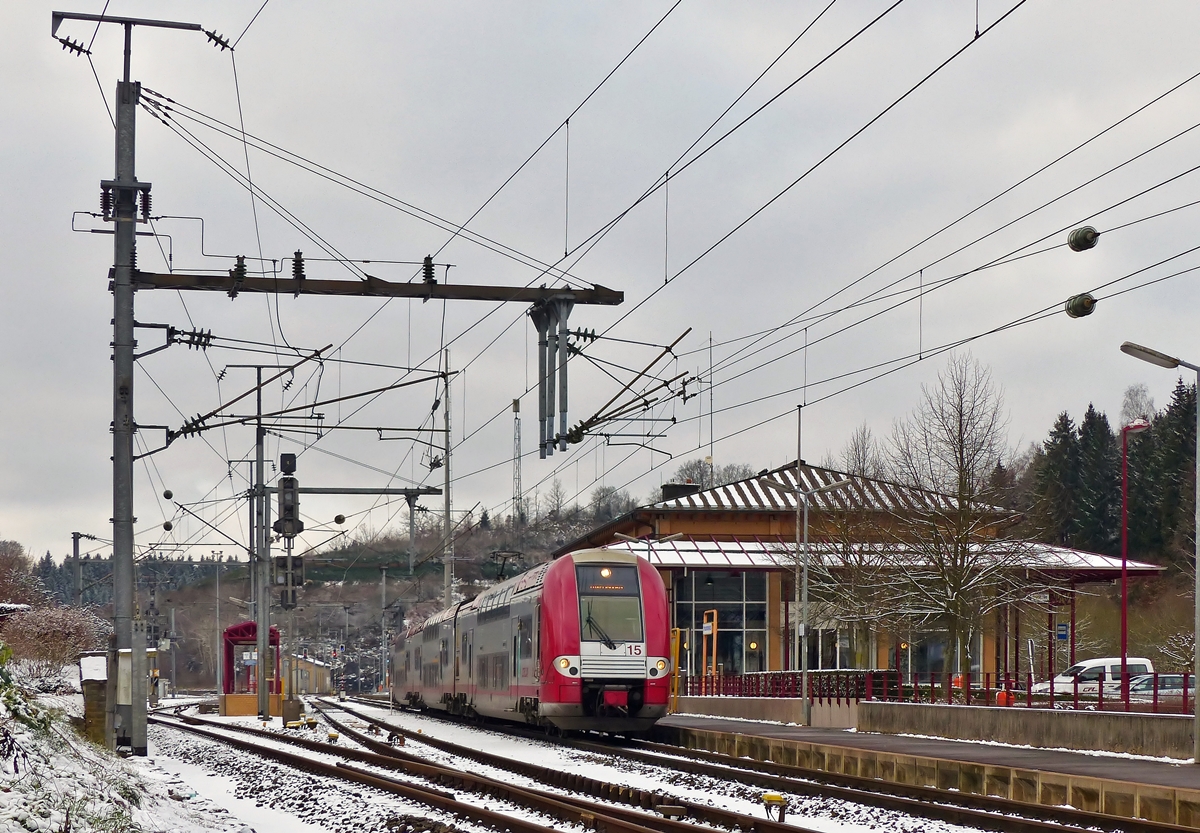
1087 675
1170 686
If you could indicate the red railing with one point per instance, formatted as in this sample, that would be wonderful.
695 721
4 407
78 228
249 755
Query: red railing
847 686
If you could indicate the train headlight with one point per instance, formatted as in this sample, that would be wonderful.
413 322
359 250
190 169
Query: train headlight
567 666
605 572
661 665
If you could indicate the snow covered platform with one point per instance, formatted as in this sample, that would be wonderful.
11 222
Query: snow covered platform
1160 789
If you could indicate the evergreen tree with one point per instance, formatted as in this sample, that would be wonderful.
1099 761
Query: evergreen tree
1098 517
1056 484
1174 461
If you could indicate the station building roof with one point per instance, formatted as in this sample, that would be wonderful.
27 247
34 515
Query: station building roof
726 528
860 494
779 553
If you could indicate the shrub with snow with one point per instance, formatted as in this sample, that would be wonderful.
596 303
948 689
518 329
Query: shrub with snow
44 640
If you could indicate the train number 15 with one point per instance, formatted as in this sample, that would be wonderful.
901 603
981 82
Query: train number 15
633 650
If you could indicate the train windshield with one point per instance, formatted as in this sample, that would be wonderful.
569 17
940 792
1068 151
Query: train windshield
610 607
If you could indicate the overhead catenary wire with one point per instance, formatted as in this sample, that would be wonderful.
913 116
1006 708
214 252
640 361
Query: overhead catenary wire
742 224
942 283
1023 180
731 360
551 137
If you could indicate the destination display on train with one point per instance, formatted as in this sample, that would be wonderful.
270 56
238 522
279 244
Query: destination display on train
607 580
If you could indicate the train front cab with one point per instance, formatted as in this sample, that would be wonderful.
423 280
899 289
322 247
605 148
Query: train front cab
604 643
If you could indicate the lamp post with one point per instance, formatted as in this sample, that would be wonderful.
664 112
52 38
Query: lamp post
1135 427
1169 362
803 496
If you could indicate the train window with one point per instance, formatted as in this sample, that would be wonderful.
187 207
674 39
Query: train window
610 619
525 636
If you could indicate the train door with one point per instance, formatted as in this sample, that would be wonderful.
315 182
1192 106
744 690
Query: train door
514 651
535 650
469 664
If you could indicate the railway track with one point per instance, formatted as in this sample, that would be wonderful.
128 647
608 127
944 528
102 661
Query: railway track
433 779
985 812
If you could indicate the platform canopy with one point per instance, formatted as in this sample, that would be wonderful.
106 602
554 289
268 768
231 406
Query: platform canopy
779 553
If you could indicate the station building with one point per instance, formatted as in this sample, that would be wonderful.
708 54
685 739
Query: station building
732 549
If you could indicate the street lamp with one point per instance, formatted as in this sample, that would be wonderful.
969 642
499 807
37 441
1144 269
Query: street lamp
802 497
1136 427
1169 362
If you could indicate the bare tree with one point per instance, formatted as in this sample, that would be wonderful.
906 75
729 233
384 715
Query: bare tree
608 502
862 454
951 568
556 498
1137 404
705 475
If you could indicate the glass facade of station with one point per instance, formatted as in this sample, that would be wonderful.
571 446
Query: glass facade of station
740 599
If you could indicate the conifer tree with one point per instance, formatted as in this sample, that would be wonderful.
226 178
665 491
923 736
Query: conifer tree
1056 484
1098 519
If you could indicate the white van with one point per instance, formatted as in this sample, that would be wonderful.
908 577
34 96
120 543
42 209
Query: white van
1087 674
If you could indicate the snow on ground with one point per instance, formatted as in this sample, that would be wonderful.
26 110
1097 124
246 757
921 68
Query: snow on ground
270 796
815 813
53 780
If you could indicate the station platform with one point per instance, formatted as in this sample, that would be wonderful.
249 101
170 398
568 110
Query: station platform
1129 787
1161 773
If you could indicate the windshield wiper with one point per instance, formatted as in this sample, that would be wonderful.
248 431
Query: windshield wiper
595 626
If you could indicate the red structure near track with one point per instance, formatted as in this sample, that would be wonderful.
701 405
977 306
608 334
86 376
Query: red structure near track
243 636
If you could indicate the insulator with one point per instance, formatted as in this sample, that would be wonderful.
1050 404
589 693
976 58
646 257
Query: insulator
298 270
133 255
1082 239
218 40
106 203
238 273
427 269
1078 306
145 206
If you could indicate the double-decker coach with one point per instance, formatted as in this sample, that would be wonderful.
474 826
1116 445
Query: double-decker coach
580 643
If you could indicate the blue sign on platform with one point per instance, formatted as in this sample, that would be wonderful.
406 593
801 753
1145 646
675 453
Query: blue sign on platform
1063 631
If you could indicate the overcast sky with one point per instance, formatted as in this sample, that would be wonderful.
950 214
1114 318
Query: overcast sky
437 104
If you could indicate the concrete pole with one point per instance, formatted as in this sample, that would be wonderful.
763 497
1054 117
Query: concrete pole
218 654
262 613
171 636
131 717
447 526
411 499
383 651
76 570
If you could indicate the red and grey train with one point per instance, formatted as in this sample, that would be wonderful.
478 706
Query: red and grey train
580 643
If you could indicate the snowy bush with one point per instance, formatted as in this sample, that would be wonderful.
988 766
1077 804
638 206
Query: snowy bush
44 640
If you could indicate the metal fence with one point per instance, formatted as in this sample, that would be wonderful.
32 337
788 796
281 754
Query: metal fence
1157 693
